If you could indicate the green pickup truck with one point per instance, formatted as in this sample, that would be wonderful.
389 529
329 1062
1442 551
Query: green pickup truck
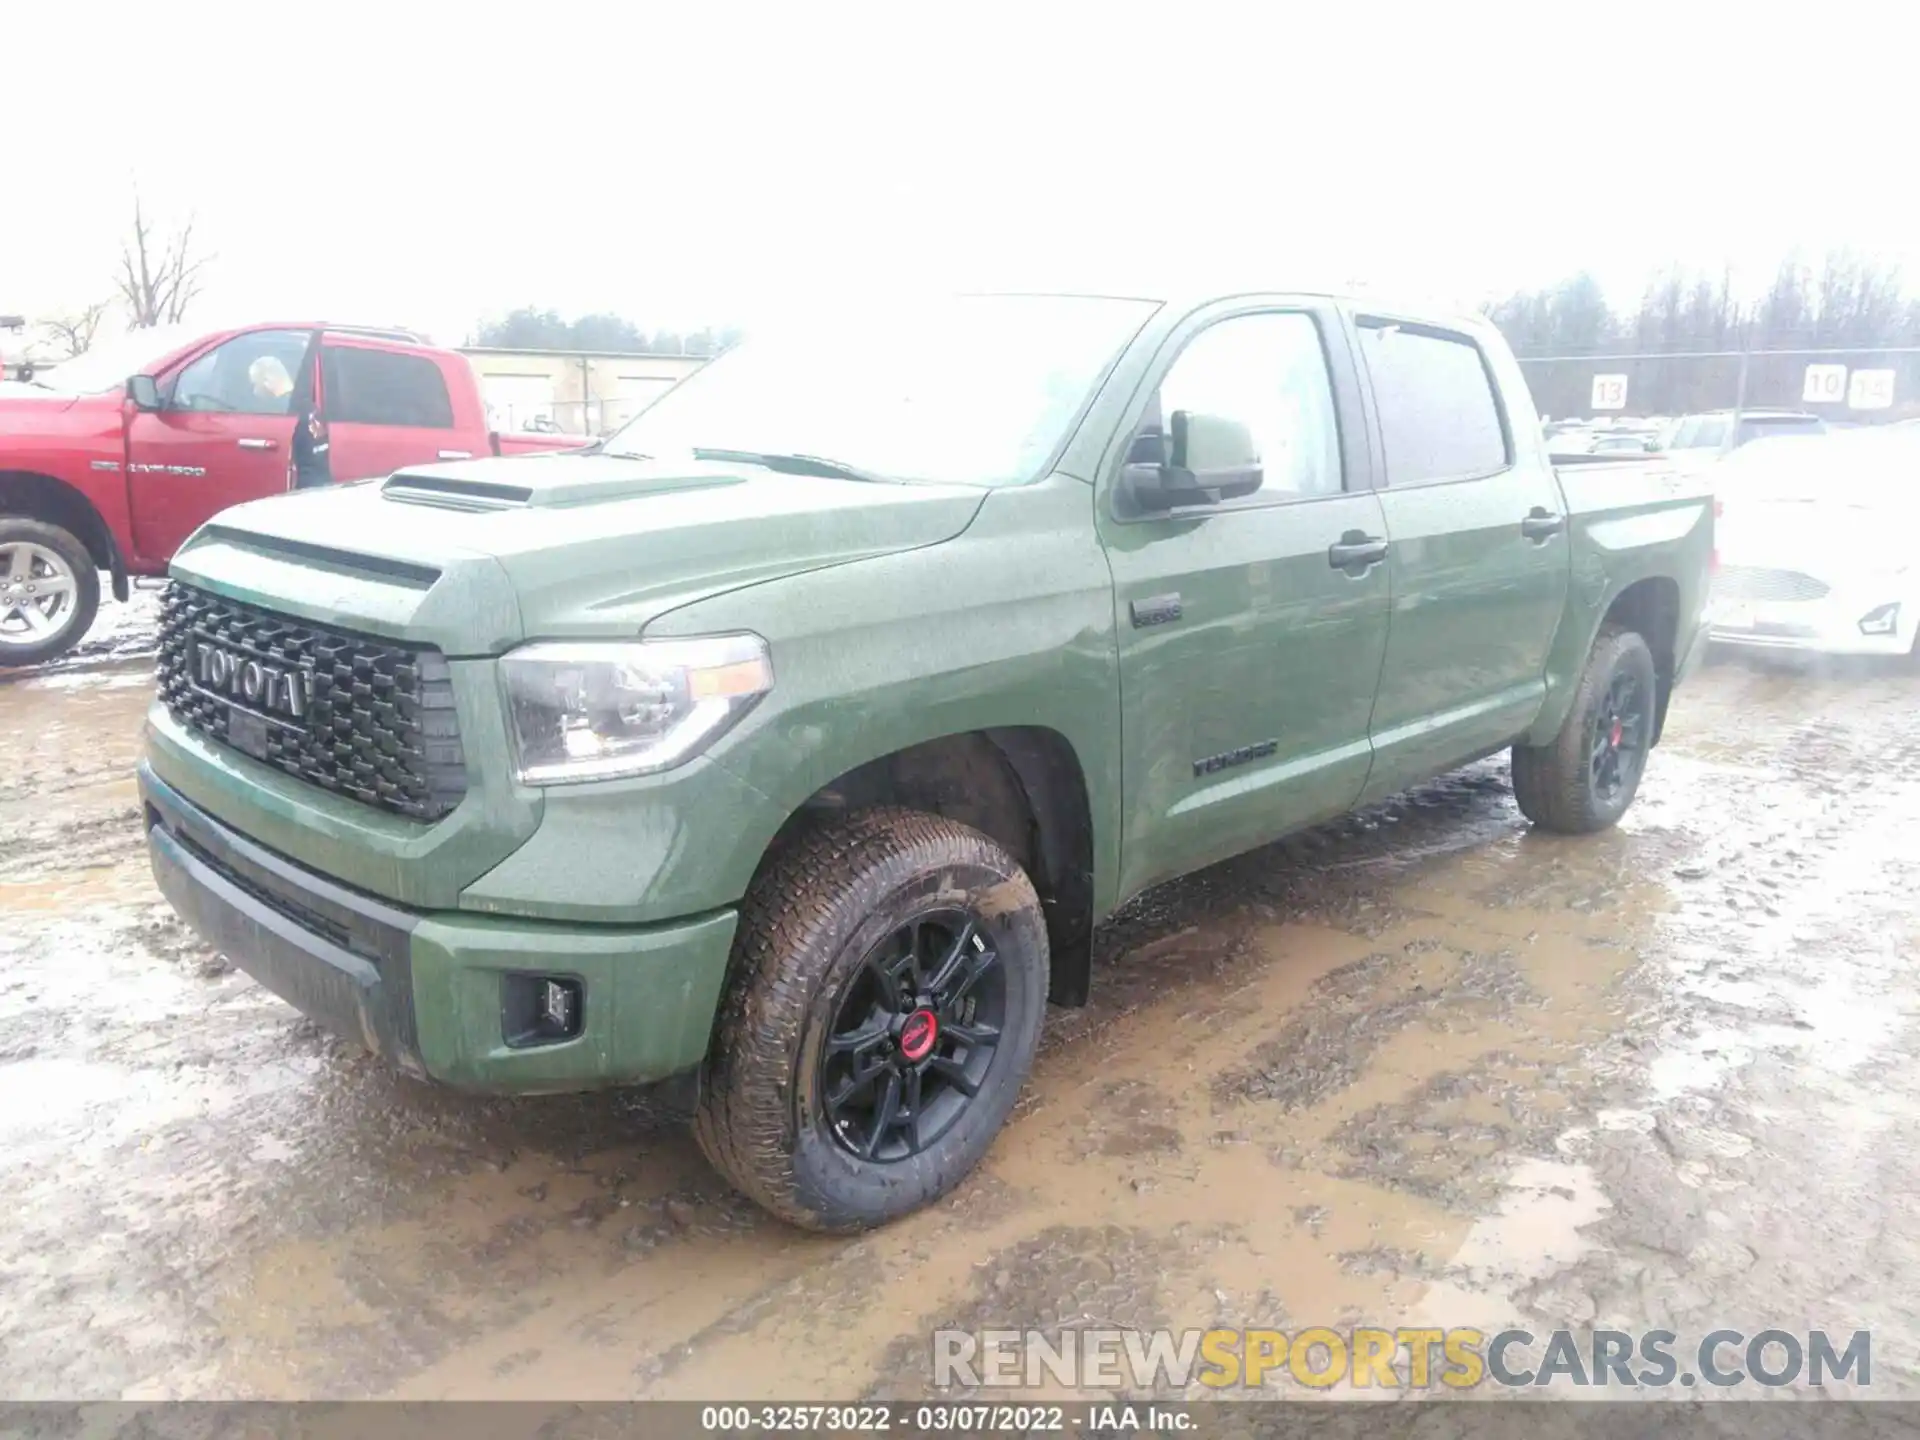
795 738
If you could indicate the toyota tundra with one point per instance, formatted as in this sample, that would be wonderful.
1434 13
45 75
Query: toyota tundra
795 738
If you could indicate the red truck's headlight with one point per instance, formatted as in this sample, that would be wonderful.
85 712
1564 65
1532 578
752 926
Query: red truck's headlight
596 711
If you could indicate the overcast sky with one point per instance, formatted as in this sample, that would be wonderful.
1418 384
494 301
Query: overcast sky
705 163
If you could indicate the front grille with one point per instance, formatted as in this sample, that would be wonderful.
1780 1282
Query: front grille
378 723
1751 582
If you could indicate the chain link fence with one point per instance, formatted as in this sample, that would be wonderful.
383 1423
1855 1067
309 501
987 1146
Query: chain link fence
1842 386
590 418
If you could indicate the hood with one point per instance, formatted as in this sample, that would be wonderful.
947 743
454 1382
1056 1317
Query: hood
1829 540
477 556
23 404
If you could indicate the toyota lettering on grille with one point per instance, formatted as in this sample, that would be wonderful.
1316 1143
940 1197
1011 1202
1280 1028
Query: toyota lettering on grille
279 691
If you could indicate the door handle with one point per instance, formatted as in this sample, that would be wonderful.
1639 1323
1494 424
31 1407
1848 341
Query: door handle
254 442
1540 525
1356 550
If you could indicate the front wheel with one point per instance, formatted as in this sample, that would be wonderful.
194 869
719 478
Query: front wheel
49 591
1585 779
889 979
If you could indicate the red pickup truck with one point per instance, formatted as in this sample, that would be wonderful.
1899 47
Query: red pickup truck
111 460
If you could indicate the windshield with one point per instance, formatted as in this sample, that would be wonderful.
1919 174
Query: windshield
1770 427
107 365
1877 469
1710 432
978 390
1700 432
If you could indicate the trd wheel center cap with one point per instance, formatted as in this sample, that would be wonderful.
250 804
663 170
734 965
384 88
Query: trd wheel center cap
1614 738
919 1035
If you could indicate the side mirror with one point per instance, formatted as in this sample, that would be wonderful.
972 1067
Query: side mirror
1219 453
143 392
1210 459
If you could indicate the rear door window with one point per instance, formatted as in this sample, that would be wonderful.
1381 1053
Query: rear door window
1439 416
384 387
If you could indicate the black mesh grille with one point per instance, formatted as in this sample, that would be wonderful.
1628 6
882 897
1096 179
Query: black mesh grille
1749 582
377 721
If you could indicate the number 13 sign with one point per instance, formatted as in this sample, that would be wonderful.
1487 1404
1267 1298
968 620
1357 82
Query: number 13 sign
1609 392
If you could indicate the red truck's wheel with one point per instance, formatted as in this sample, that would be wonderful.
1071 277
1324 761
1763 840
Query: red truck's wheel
889 979
1586 778
49 591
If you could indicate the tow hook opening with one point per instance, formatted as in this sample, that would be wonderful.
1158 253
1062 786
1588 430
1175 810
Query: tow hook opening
541 1009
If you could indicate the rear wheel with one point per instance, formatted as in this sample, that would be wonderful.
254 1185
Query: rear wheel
889 979
1585 779
49 591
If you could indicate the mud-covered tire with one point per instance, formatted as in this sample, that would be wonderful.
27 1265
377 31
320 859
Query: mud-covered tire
74 619
1554 783
818 910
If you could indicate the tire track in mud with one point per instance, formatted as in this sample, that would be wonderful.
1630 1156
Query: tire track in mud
1333 1079
1773 1022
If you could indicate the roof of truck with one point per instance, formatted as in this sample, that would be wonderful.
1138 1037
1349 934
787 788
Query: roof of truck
395 333
1388 305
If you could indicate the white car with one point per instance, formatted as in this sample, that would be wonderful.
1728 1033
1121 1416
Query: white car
1819 543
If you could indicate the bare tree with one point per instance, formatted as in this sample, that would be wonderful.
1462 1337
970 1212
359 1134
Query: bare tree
73 334
159 276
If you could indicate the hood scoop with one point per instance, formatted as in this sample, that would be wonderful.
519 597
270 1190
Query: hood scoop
449 493
542 481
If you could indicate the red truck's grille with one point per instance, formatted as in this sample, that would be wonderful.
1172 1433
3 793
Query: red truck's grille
359 716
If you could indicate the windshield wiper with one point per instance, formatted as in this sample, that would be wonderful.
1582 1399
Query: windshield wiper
792 464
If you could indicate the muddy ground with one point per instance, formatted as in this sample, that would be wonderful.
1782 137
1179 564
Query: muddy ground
1424 1066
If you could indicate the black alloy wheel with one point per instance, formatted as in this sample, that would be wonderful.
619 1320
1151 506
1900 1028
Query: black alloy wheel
1621 725
914 1031
883 1007
1585 777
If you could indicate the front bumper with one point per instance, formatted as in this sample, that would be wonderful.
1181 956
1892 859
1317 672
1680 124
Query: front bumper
1827 626
425 989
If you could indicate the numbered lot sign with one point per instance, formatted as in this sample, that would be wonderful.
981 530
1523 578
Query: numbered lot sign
1870 390
1826 385
1609 392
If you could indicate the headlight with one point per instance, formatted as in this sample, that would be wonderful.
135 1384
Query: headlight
595 711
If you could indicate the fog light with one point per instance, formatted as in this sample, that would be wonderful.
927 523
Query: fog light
540 1009
1882 621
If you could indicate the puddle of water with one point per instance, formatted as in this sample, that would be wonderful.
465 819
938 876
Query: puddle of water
1125 1126
1809 979
1535 1233
1294 1101
84 680
105 884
